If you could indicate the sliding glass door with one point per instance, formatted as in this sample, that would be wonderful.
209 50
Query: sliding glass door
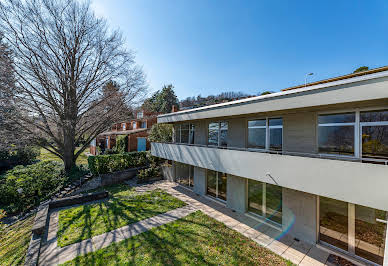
356 229
216 184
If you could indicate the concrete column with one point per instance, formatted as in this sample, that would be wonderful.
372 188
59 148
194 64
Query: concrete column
299 214
200 180
236 193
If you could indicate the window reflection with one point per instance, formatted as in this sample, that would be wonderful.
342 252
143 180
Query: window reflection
257 134
255 197
333 222
370 233
336 139
375 142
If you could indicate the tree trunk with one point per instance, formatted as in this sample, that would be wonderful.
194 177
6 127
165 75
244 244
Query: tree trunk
68 152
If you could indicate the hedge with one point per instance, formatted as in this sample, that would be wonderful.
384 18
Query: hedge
103 164
25 186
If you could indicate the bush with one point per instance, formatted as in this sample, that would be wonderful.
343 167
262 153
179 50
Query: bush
13 156
160 133
149 173
2 215
121 144
103 164
25 186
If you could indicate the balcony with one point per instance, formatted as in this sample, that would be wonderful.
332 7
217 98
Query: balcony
336 177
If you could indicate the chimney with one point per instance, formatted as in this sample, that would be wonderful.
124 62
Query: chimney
174 109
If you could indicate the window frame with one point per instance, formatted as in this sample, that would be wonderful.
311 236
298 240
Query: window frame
179 133
217 194
357 129
218 135
267 133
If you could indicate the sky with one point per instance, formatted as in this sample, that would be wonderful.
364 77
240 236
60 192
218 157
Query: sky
212 46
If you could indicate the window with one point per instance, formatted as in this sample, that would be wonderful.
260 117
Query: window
366 235
140 115
275 133
218 134
333 222
374 134
266 134
265 200
216 184
184 133
257 132
336 133
134 125
192 133
185 174
144 124
124 126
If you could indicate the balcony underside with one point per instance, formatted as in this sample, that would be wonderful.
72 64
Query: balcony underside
355 182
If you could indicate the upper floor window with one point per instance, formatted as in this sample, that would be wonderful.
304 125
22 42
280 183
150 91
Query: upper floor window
134 125
144 124
266 134
140 115
336 133
185 133
124 126
374 134
218 134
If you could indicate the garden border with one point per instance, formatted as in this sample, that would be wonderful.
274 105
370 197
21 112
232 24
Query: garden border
41 220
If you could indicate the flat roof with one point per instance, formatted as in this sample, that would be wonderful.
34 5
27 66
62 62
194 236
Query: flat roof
289 93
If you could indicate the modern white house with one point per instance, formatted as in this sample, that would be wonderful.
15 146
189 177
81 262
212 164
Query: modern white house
311 160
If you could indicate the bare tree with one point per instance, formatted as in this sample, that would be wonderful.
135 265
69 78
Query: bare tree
64 56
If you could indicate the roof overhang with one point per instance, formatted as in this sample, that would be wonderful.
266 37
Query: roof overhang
361 88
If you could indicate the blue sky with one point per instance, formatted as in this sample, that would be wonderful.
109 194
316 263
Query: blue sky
208 46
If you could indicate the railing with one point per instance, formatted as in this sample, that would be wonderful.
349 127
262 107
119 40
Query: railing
300 154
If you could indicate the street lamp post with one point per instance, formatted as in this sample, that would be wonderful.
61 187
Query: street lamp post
305 78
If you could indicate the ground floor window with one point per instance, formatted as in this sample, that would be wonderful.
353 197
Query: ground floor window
357 229
265 200
216 184
185 174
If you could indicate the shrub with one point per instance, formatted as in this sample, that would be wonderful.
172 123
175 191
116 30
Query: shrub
25 186
149 173
103 164
121 144
13 155
2 215
160 133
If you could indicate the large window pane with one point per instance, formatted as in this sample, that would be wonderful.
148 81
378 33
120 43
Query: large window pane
255 197
211 183
185 133
275 139
370 233
221 186
333 222
337 118
213 134
274 203
182 173
336 139
192 131
375 142
223 134
374 116
257 134
191 184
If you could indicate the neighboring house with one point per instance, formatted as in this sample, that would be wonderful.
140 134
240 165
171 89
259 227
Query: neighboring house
310 160
137 131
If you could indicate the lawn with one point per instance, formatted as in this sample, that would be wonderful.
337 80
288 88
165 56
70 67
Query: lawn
195 239
14 242
125 206
48 156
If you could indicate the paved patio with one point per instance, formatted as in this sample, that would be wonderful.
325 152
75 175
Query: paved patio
298 252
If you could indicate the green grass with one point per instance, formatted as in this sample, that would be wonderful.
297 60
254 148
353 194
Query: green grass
48 156
14 241
196 239
125 206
